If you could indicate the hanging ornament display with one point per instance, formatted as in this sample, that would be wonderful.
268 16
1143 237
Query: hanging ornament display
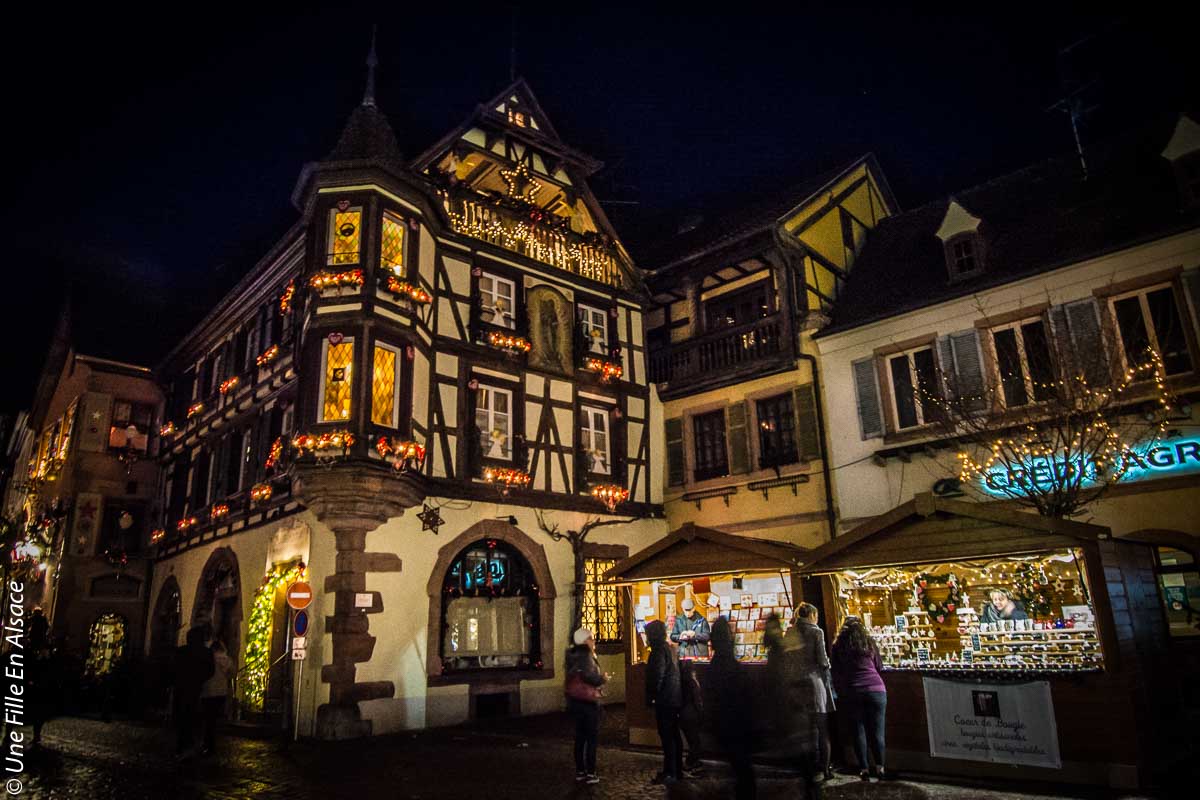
939 611
1032 587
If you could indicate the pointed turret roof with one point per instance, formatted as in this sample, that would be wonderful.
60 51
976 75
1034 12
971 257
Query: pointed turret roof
367 134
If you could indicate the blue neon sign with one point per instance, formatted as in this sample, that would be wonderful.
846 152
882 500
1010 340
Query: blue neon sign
1167 457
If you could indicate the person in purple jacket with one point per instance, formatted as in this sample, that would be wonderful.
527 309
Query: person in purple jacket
861 693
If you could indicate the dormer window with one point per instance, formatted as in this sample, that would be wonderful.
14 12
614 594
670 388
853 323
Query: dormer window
1183 151
962 256
961 241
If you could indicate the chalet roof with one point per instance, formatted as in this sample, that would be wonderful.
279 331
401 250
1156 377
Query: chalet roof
691 551
929 529
726 221
1035 220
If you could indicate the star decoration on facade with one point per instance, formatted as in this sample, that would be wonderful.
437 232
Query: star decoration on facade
431 520
1077 590
1059 585
520 183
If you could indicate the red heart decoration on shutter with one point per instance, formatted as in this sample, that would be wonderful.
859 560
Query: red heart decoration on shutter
343 205
336 338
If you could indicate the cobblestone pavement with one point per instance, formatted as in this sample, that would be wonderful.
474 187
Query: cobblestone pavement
525 758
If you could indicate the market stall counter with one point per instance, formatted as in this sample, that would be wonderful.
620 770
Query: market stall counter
688 579
1014 645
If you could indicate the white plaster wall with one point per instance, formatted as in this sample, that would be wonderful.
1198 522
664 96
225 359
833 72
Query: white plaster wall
863 489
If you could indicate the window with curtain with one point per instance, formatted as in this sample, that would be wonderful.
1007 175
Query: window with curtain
595 440
594 323
497 301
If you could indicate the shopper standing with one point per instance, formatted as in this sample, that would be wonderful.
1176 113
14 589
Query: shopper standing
730 702
805 646
665 695
794 736
582 688
857 675
690 715
193 666
214 693
691 631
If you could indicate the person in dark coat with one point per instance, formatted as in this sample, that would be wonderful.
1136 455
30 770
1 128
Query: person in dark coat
193 667
691 715
729 701
691 632
664 693
583 667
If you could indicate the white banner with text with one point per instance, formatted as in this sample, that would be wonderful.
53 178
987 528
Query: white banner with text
1005 723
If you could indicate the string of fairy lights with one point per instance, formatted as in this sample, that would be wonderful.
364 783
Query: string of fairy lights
259 631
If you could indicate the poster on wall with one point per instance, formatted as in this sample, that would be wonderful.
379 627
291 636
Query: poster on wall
1006 724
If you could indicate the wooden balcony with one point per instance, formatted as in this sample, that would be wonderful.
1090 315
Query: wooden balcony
721 357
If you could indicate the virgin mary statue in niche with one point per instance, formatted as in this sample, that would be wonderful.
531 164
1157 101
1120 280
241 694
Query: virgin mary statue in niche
550 330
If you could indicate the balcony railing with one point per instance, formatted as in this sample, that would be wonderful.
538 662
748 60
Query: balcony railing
718 352
539 239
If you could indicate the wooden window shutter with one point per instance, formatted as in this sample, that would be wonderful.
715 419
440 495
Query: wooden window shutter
1191 285
736 438
866 392
1080 343
808 440
962 368
675 466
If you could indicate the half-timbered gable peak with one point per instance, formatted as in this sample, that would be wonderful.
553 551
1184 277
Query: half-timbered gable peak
504 176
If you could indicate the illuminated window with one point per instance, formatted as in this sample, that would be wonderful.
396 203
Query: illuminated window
497 298
777 431
594 439
1150 318
345 235
384 405
336 364
601 611
490 609
106 644
1024 363
493 418
130 426
391 250
64 441
594 323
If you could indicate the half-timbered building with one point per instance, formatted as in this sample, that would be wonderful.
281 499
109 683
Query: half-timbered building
438 365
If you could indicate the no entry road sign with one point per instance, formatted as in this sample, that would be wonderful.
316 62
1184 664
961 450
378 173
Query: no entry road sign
299 595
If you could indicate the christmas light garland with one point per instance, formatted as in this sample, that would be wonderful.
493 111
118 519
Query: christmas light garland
267 356
229 384
611 495
167 430
607 370
408 290
261 492
185 523
402 454
157 535
257 662
194 409
508 476
509 342
275 453
336 280
219 510
319 443
285 299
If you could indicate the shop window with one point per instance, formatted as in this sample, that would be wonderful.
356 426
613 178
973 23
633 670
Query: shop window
712 458
391 244
130 426
594 325
489 612
493 418
595 439
776 432
106 644
497 301
1017 613
336 364
1026 370
914 380
385 387
739 307
601 607
345 236
1179 582
1150 319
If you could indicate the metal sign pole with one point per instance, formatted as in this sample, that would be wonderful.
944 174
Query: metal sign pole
296 716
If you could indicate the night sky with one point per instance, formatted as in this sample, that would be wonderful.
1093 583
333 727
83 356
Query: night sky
151 157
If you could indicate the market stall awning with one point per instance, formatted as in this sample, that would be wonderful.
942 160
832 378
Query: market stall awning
691 552
929 529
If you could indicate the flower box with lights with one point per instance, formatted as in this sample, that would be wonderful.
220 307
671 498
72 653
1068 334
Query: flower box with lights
220 510
407 290
611 495
274 454
324 281
403 455
261 492
285 299
185 523
167 430
229 384
157 535
514 345
507 476
607 370
267 356
324 445
194 409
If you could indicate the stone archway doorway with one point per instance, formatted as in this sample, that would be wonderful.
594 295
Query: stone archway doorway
219 599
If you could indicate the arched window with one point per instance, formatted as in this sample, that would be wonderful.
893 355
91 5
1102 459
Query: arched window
489 610
168 618
106 644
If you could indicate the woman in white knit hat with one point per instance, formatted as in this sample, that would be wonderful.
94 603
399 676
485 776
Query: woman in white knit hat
582 688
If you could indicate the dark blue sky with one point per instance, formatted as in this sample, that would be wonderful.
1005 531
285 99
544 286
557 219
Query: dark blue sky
151 158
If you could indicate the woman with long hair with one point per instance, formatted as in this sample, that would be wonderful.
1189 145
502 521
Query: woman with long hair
805 645
857 676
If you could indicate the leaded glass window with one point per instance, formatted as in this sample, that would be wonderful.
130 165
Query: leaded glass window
345 235
383 386
338 359
601 611
490 609
391 249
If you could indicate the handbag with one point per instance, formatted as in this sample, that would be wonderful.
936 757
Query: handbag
577 688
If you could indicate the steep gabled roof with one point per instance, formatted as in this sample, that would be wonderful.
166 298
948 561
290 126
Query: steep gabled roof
1043 217
691 551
